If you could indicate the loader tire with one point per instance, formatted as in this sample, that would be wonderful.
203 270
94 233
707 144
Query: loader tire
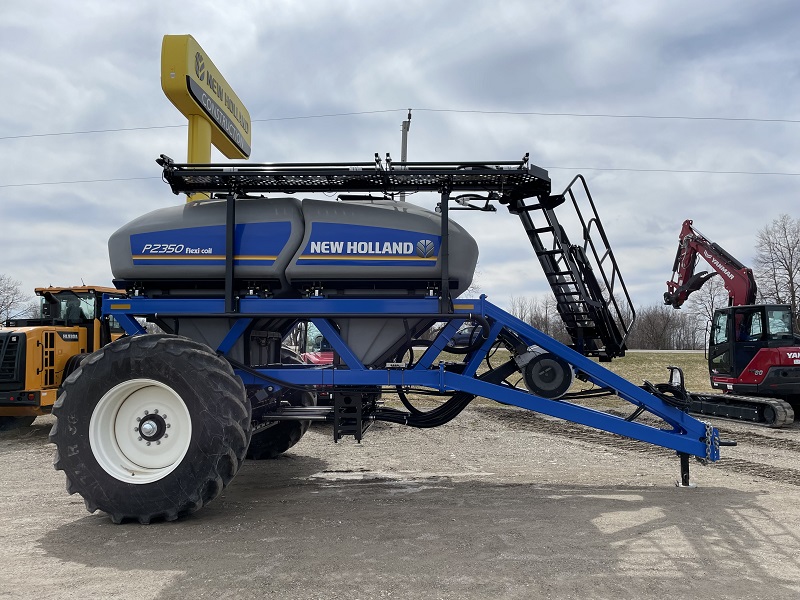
150 427
72 364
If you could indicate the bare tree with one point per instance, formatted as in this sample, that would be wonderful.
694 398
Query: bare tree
554 324
707 299
688 332
660 327
777 261
521 307
701 305
541 313
12 300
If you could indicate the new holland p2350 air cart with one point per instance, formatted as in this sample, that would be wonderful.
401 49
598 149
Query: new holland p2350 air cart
154 426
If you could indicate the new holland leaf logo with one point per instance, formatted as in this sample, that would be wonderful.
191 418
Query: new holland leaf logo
425 248
199 66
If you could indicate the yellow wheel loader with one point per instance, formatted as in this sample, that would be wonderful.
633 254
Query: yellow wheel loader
37 354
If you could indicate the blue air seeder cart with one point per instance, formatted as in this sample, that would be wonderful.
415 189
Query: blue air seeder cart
154 426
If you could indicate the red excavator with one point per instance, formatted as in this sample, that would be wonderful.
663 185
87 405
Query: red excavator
753 353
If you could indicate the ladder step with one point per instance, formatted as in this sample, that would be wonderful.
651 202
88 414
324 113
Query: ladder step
578 315
542 230
530 208
549 252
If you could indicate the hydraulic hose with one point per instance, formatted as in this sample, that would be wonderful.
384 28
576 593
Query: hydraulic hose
477 342
450 409
672 395
433 418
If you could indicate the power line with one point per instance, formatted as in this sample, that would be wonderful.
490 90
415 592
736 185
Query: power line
702 171
12 185
431 110
608 115
38 135
324 116
120 129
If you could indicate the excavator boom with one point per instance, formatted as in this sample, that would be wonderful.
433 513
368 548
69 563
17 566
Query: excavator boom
737 278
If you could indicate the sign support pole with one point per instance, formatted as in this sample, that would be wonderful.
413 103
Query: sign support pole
199 151
199 140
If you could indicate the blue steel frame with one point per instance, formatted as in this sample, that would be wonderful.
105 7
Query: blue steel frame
686 435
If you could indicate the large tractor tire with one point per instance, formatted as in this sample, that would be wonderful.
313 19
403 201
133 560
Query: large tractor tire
150 427
275 438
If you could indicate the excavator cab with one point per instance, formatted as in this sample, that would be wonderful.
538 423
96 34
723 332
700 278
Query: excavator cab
738 333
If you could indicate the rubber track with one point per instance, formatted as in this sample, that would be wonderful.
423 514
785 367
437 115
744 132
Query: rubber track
784 413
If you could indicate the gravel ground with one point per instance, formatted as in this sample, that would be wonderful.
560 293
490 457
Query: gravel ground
500 503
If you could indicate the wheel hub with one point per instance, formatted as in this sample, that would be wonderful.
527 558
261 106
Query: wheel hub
153 427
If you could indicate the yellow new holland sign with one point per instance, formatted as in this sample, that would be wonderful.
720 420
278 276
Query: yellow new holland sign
197 89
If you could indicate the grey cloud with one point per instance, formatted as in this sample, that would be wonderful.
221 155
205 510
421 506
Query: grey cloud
289 59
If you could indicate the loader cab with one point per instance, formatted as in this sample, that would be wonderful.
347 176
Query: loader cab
78 307
739 332
68 306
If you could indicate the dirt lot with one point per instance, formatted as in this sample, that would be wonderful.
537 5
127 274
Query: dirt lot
498 504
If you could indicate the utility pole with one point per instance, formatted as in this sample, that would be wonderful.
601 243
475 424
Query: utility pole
404 147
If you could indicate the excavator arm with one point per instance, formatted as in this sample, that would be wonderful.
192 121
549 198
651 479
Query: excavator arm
738 279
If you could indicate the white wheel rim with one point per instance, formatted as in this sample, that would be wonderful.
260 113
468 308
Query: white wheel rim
140 431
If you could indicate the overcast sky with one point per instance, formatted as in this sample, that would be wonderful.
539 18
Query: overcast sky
729 69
